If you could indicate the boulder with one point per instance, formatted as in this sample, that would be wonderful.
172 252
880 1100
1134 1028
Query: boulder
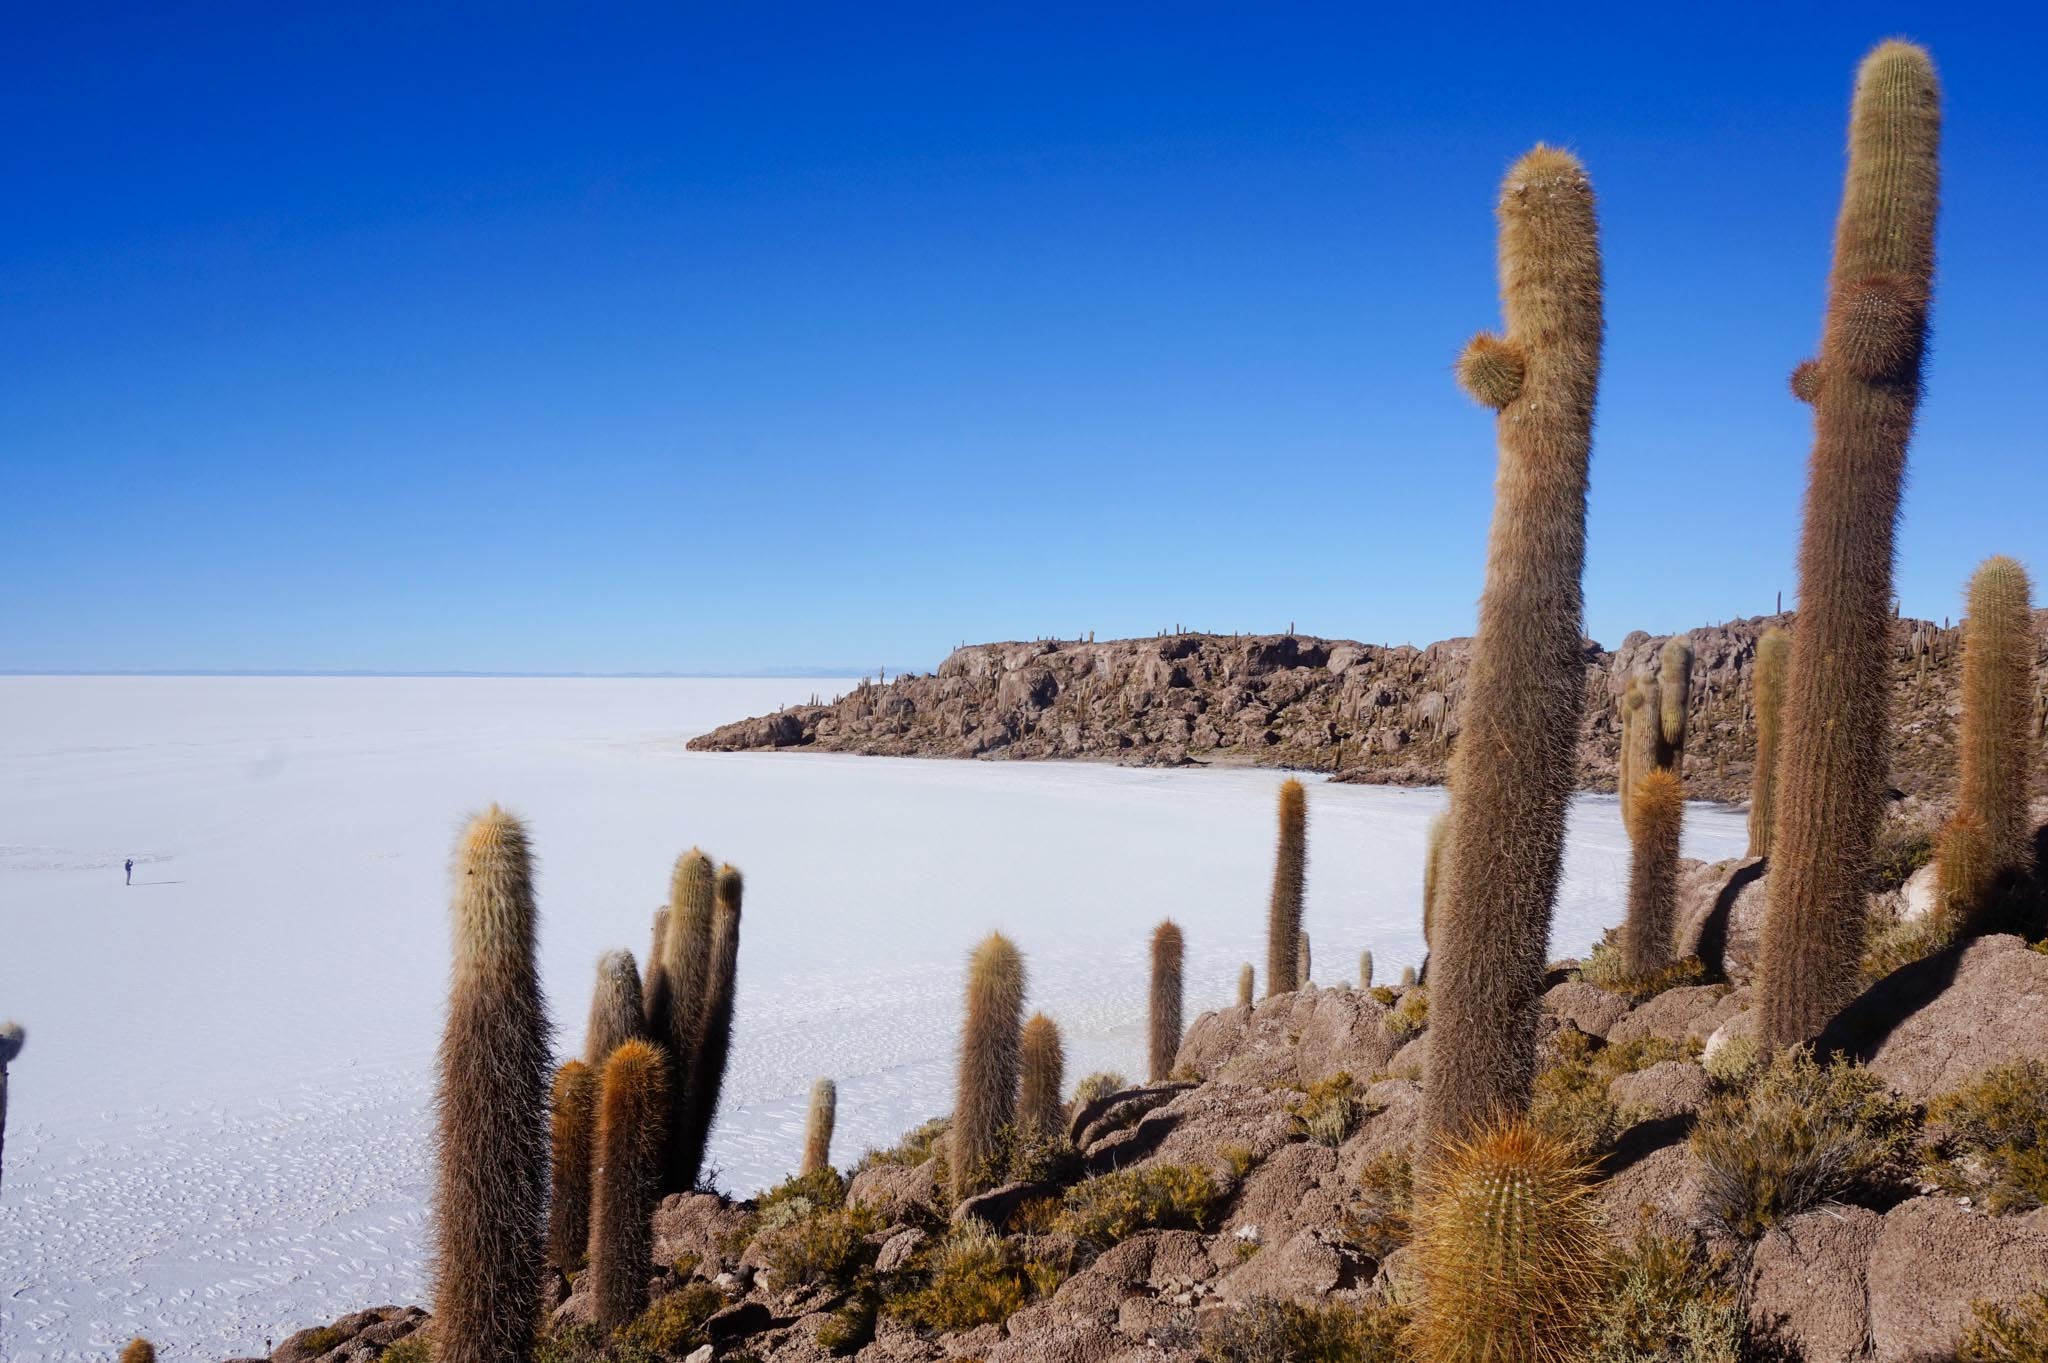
1807 1284
1658 1189
1308 1265
1687 1013
1932 1026
1669 1088
897 1191
698 1224
1721 916
1932 1259
1587 1007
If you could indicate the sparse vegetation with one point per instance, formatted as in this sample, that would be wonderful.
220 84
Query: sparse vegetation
1605 968
2007 1334
976 1277
1381 1220
1667 1306
1113 1207
1570 1100
1410 1015
1991 1138
1330 1110
673 1324
1269 1330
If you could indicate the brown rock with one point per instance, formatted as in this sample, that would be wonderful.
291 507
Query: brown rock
897 1191
1658 1190
1587 1007
1807 1283
1668 1088
695 1224
1934 1257
1936 1024
1721 916
1309 1264
1071 1342
1690 1012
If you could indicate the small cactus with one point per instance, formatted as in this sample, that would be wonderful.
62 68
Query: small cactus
1301 963
1990 841
1432 872
1365 970
617 1011
1290 876
1044 1069
990 1061
492 1137
12 1037
1646 934
818 1122
1510 1250
706 1067
632 1104
572 1133
139 1350
1165 1012
1247 984
1773 652
1407 976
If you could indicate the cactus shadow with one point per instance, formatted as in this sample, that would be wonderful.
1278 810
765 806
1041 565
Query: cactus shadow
1713 948
1145 1140
1860 1029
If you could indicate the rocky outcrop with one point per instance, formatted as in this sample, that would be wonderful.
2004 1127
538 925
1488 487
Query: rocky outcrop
1936 1024
1365 712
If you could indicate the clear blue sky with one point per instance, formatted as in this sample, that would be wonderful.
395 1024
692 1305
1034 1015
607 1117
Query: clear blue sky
720 337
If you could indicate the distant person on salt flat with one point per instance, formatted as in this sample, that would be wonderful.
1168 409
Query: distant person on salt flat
128 871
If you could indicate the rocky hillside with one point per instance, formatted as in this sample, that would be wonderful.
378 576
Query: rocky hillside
1363 712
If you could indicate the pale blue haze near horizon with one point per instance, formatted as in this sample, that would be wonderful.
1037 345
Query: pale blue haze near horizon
721 339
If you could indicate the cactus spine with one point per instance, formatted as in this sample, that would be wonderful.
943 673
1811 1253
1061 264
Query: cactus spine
617 1012
990 1058
1246 985
1832 766
685 971
714 1027
1510 1249
12 1037
631 1108
492 1137
1045 1065
818 1123
1365 970
1990 842
572 1132
1290 875
1773 652
1164 1015
1512 771
1646 934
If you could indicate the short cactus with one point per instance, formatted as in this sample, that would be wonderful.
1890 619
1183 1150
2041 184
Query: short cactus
1990 841
990 1061
1432 872
1773 653
572 1135
139 1350
1247 984
632 1104
1407 976
706 1068
1164 1014
12 1036
617 1012
1290 877
1044 1074
1647 944
1510 1250
819 1119
1302 963
1365 970
492 1102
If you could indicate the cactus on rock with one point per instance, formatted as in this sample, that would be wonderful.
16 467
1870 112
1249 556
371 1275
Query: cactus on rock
1164 1013
1773 653
681 989
990 1061
633 1103
1246 985
1044 1074
1290 876
1989 843
706 1068
1365 970
819 1120
1647 943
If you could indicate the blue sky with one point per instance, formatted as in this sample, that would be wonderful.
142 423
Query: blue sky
723 337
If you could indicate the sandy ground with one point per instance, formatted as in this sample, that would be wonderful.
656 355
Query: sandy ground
217 1132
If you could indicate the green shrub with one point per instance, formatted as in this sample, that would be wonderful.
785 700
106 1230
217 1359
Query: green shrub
1667 1306
2007 1334
1379 1220
1569 1099
1410 1015
1384 995
1991 1138
828 1248
850 1328
916 1147
798 1196
1268 1330
1893 944
1029 1157
569 1344
1238 1160
976 1277
417 1347
1802 1136
1733 1062
1603 968
1114 1207
674 1324
1330 1110
1100 1084
1903 846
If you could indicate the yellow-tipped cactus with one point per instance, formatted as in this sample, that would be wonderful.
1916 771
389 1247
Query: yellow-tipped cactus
1773 654
706 1067
1514 766
1044 1075
1647 943
1290 878
572 1137
1989 842
632 1104
685 975
1164 1013
1510 1250
618 1013
1832 760
1247 984
492 1107
819 1120
990 1060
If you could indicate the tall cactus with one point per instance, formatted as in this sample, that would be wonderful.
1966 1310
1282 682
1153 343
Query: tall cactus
1647 943
706 1068
1290 877
1433 874
1044 1076
1674 697
990 1058
632 1105
12 1037
572 1133
1513 770
492 1102
1303 963
819 1119
1773 653
618 1014
1989 841
1510 1251
1246 985
1164 1014
1864 388
685 971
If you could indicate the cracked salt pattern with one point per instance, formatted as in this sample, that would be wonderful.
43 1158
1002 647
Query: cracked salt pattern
217 1132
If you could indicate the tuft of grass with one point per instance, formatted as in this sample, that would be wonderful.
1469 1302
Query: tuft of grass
851 1328
1734 1061
917 1146
1894 944
1330 1110
1270 1330
823 1248
976 1277
1801 1136
1113 1207
1604 968
2007 1334
1410 1015
1384 995
1991 1138
674 1324
1668 1306
1380 1221
417 1347
1569 1099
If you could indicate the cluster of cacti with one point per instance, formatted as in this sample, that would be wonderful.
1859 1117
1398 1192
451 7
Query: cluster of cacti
572 1135
1653 714
819 1118
1164 1014
1290 878
11 1039
1773 654
1988 842
1044 1074
633 1103
1513 768
1647 944
990 1061
492 1130
1510 1249
1831 767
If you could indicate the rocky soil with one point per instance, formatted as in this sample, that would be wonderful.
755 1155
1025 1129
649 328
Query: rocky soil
1363 712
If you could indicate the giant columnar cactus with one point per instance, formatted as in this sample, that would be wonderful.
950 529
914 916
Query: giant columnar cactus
632 1104
990 1058
617 1012
1773 652
818 1122
1674 697
714 1030
1864 388
1290 876
1990 840
685 972
492 1102
1647 944
1045 1074
1510 1250
1512 771
572 1133
1164 1014
11 1038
